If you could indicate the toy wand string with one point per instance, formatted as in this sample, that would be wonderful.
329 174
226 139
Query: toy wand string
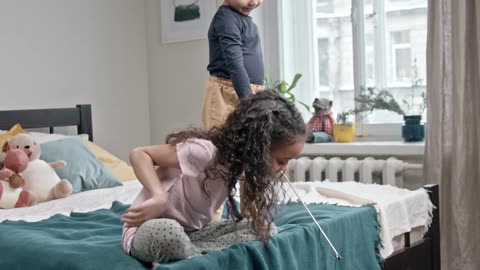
314 220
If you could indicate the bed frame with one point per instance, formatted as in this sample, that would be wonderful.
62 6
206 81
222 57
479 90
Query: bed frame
425 253
80 116
421 255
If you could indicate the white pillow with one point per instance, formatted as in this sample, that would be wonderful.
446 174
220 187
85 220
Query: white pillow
46 137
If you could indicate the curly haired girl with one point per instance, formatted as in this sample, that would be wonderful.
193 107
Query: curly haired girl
187 179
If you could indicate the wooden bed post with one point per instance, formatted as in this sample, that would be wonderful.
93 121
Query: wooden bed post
85 126
434 232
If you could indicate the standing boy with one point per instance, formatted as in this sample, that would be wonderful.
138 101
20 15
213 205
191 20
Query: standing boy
236 61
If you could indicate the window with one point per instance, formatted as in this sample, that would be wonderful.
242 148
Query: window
401 56
335 53
325 6
369 43
323 61
369 60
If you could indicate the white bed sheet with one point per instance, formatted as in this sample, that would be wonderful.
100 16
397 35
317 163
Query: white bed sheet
86 201
400 210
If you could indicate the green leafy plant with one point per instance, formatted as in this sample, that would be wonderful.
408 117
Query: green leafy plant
371 99
285 89
416 80
342 117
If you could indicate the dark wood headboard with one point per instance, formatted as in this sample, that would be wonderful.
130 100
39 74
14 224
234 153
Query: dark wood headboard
80 116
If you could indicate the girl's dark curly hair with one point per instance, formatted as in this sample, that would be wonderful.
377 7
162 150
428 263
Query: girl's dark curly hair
244 146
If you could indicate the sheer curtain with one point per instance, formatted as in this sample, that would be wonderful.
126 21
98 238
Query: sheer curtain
296 48
452 155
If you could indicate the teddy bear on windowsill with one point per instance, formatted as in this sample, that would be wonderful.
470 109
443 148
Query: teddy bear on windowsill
320 126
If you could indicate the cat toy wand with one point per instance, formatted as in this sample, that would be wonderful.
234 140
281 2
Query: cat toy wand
314 220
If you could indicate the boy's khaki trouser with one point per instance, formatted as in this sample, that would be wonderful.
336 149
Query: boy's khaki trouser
219 100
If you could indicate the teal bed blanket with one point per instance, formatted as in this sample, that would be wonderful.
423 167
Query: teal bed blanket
92 241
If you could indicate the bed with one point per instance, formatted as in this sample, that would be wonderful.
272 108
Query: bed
63 235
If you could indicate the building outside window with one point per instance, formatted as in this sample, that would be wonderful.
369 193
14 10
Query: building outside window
388 51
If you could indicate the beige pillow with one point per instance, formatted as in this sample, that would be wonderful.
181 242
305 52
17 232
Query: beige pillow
16 129
47 137
118 167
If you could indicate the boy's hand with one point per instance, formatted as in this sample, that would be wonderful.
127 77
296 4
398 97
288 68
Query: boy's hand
152 208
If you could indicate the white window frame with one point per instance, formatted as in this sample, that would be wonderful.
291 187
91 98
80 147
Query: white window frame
396 46
326 4
293 24
320 85
380 130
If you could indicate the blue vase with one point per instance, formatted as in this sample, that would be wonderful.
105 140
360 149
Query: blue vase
413 131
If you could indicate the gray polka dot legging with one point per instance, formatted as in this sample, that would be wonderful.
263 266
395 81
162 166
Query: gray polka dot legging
162 240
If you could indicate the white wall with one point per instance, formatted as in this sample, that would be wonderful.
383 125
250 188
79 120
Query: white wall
177 76
178 73
58 53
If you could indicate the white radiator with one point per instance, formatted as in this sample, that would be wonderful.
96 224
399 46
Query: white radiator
389 171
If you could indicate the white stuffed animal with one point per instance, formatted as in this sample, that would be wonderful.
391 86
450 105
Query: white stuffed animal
40 176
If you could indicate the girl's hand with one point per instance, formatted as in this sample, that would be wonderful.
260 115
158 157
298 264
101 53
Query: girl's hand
248 209
246 213
152 208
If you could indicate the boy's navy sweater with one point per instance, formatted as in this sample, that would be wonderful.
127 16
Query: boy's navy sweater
235 50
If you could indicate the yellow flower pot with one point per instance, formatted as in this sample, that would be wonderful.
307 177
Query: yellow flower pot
343 133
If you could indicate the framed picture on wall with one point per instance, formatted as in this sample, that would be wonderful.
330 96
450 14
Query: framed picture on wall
183 20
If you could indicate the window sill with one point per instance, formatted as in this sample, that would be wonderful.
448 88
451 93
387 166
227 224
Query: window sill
366 148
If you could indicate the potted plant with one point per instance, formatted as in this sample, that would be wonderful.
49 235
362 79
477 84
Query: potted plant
344 129
285 89
412 130
373 99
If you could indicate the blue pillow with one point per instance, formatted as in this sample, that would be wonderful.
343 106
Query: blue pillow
83 169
